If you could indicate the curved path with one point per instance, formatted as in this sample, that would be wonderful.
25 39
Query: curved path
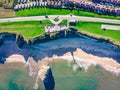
56 23
62 17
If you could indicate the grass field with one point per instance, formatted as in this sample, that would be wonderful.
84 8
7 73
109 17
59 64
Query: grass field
47 11
42 11
95 28
29 29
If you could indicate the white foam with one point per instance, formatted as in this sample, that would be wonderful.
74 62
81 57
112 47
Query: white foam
86 63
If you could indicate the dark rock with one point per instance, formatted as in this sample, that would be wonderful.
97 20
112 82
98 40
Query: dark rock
20 41
49 82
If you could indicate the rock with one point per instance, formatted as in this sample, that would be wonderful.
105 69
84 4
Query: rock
1 42
49 82
20 41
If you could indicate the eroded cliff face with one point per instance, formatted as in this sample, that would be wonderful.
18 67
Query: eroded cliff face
39 47
20 41
41 70
11 44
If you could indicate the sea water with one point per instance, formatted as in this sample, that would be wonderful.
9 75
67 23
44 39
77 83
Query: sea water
16 77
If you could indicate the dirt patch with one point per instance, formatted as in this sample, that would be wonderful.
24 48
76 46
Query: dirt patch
6 13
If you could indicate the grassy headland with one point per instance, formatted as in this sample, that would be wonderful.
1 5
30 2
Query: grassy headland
94 29
29 29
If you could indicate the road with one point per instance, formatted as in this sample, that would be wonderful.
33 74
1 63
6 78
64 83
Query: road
61 17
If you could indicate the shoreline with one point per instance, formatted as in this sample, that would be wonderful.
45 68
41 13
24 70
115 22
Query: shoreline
47 37
76 31
107 63
98 37
85 60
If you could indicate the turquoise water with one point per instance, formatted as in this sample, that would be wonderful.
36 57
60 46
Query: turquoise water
95 78
15 77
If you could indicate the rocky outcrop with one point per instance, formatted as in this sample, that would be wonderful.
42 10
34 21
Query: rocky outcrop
49 82
20 41
1 42
43 72
47 37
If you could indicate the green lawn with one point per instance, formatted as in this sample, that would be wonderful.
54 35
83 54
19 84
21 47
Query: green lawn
95 28
48 11
28 29
42 11
64 22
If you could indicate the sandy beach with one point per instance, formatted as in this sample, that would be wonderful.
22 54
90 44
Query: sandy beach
15 58
84 60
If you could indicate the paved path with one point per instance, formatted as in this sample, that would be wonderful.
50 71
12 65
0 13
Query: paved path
110 27
54 22
68 17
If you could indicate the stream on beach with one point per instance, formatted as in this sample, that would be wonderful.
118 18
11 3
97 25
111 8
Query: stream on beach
96 78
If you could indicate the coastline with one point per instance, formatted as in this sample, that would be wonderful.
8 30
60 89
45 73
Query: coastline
108 63
85 60
76 31
51 36
98 37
